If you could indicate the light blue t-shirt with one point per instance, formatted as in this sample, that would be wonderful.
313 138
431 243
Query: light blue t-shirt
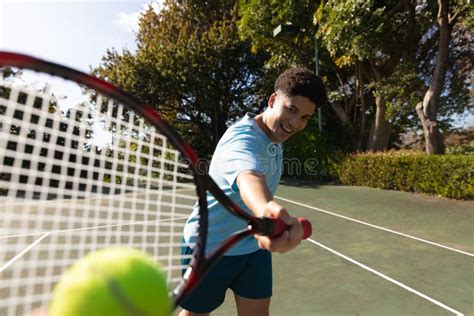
244 146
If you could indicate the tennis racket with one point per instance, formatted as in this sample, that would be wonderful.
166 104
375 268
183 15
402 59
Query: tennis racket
83 166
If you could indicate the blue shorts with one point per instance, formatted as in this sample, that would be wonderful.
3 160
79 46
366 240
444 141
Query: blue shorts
249 276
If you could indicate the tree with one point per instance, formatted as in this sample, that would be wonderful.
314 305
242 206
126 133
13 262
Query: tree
447 17
193 67
377 59
379 39
350 64
310 148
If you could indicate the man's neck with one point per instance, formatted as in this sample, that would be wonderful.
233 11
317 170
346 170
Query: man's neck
260 119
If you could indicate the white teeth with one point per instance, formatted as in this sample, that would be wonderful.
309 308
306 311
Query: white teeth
287 130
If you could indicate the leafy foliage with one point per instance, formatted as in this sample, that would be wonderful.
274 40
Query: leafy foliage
203 64
450 175
192 66
371 51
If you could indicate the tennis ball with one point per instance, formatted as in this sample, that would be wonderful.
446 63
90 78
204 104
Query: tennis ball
115 281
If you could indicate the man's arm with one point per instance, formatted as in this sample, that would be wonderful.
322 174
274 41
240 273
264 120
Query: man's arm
256 195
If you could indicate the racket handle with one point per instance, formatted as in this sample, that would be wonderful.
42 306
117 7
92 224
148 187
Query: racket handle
279 227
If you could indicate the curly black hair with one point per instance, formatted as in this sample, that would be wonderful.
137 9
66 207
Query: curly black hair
302 82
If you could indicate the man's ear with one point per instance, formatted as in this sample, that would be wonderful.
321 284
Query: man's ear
271 100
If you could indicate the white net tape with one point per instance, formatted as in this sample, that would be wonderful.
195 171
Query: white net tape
77 180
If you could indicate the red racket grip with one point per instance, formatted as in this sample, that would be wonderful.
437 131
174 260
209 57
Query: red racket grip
279 227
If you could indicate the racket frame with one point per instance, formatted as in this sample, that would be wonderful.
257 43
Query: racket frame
200 262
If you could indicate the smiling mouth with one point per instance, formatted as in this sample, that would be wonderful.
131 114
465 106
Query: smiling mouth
288 131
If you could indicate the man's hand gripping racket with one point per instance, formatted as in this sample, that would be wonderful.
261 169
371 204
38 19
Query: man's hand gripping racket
84 166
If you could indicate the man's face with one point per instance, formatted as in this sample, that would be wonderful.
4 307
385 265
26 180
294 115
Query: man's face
287 115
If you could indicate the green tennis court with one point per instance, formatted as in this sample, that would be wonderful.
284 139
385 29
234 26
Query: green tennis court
374 252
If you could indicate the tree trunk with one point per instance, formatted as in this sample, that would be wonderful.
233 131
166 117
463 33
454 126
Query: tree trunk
363 106
341 114
381 129
434 142
427 110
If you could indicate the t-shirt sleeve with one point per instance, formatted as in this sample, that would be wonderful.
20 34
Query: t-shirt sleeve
241 154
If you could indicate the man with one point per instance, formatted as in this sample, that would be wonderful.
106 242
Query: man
247 167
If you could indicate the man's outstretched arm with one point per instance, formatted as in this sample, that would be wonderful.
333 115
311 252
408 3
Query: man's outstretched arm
256 195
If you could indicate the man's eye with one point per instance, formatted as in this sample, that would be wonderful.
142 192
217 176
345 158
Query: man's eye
291 110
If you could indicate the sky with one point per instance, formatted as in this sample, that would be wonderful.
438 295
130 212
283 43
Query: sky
71 32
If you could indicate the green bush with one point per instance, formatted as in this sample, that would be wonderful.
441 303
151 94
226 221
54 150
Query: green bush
450 175
460 149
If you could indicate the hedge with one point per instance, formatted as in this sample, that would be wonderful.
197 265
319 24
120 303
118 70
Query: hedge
450 175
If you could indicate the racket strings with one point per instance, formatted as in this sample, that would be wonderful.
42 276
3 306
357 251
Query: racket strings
76 180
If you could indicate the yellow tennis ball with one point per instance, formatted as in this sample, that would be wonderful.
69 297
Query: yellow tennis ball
115 281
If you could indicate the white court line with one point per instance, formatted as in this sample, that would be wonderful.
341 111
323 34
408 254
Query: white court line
379 227
363 266
19 255
60 231
44 235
